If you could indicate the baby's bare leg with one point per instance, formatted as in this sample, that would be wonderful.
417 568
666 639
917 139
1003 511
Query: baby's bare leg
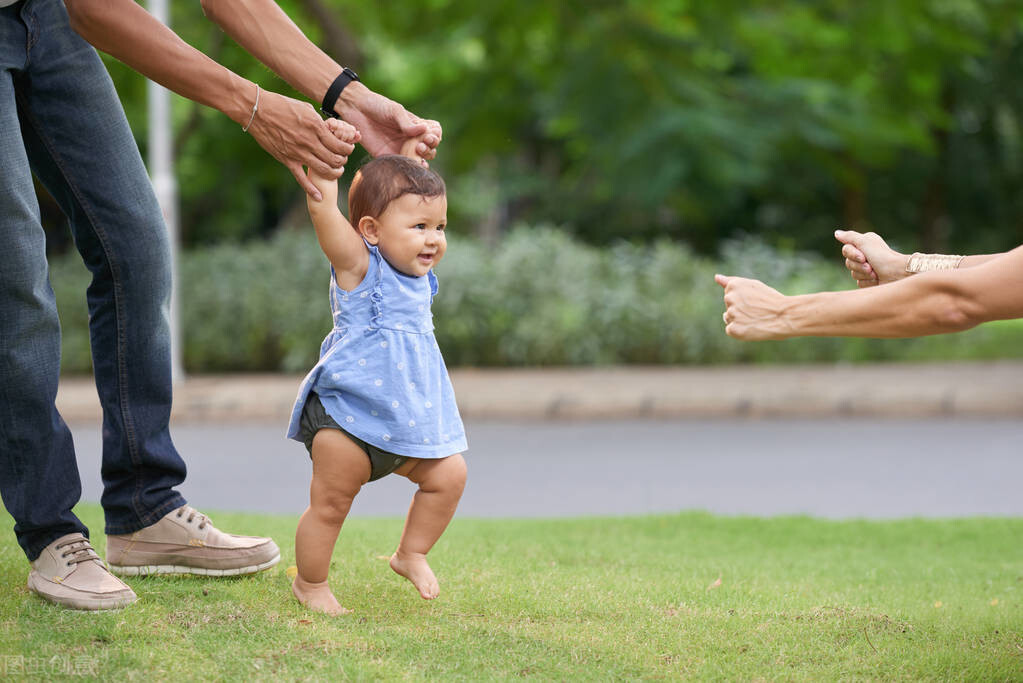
441 483
340 468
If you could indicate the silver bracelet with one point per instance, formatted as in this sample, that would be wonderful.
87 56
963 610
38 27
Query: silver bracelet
255 108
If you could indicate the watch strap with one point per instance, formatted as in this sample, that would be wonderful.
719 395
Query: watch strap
334 91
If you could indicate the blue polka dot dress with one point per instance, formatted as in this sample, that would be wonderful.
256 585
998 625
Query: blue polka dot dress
380 374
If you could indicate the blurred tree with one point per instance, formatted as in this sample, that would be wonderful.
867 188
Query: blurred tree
639 118
880 90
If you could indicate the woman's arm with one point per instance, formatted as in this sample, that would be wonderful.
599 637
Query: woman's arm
929 303
871 261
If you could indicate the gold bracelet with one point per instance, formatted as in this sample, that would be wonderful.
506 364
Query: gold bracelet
255 108
918 262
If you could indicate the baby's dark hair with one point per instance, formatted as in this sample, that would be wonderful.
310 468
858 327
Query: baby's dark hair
382 180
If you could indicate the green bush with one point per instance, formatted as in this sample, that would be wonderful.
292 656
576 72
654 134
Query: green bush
536 298
258 307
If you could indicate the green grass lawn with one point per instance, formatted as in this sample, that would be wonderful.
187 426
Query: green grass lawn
674 596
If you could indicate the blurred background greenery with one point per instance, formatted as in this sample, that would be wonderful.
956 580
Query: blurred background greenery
604 158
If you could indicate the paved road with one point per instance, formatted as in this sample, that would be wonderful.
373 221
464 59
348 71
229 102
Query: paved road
826 467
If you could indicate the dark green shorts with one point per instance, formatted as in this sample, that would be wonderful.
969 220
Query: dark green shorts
314 418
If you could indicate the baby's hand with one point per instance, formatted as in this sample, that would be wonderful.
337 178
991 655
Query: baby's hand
346 133
408 149
343 131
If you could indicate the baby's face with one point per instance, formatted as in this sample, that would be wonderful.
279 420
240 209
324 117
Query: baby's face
411 233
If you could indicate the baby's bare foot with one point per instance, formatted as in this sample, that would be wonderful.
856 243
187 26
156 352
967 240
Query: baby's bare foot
413 567
317 597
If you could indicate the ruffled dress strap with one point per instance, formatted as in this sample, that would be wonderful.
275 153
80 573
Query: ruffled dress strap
376 295
433 284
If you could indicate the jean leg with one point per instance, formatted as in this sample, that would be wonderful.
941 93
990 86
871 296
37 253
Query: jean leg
88 160
39 479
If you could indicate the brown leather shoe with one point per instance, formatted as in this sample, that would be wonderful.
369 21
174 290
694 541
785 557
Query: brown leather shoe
70 573
186 542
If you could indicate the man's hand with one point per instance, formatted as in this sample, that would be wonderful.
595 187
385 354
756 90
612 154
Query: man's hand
385 125
295 134
752 309
869 258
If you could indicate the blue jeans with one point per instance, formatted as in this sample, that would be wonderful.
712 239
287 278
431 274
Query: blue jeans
60 118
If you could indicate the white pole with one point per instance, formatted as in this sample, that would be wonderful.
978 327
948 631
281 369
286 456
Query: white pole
161 171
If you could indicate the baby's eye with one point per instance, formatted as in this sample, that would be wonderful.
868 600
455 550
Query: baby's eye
441 227
419 226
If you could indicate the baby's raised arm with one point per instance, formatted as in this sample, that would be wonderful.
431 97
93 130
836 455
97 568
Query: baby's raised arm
339 240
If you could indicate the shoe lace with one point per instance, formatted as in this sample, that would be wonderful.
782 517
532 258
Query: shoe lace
192 514
78 550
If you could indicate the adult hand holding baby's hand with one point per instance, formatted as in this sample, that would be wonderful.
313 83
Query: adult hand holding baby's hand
296 135
386 127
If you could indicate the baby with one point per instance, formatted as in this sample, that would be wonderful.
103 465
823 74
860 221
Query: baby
379 401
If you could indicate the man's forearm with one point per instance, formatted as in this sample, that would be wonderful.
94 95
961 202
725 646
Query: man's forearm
124 30
262 28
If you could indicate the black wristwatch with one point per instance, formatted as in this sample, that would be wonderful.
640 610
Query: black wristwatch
334 91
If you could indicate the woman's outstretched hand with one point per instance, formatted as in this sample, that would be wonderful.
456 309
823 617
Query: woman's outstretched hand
869 258
752 309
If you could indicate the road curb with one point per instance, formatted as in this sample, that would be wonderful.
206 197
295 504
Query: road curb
925 390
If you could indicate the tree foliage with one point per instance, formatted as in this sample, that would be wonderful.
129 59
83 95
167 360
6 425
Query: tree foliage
643 119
